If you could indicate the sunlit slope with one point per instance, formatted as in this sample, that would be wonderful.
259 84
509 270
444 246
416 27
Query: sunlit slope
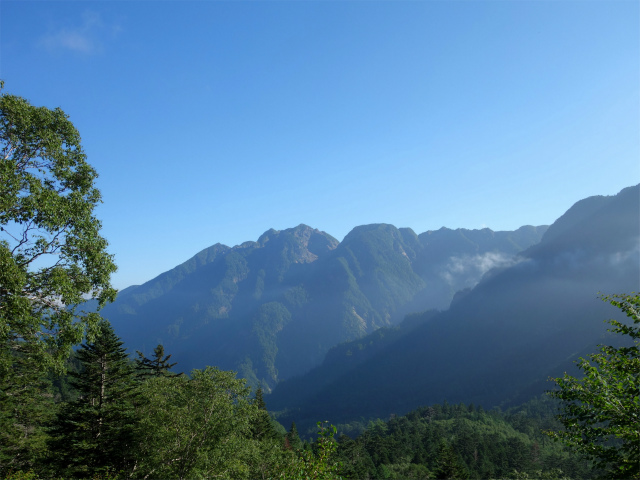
499 342
271 309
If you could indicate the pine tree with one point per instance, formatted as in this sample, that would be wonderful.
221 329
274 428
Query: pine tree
26 405
262 428
448 466
156 367
95 433
293 438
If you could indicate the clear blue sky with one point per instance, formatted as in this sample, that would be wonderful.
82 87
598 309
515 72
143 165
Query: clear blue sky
213 121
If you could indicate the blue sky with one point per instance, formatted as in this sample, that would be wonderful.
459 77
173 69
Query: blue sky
213 121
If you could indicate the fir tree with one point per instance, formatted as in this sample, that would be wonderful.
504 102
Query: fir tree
262 428
448 466
293 438
95 433
26 405
157 366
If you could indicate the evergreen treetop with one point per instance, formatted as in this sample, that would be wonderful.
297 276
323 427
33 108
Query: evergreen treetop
157 366
95 432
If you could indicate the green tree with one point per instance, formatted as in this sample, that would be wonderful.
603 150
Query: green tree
96 433
262 424
52 256
448 465
26 406
554 474
157 366
601 411
321 462
293 438
197 427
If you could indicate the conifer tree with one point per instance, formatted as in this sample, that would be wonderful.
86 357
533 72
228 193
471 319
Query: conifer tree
157 366
448 466
262 428
95 433
293 438
26 405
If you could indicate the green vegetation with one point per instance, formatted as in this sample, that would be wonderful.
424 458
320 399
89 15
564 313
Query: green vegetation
95 433
208 425
195 427
461 441
154 367
121 424
601 412
51 253
272 309
52 258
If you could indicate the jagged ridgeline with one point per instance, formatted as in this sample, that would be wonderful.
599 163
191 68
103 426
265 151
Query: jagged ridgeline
500 341
271 309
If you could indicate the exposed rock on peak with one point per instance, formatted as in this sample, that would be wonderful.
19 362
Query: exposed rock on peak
271 309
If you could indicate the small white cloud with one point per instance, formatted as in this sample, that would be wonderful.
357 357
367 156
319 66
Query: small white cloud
467 270
84 38
69 40
626 258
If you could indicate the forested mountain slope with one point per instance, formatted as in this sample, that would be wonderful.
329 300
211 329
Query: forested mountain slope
271 309
463 441
498 343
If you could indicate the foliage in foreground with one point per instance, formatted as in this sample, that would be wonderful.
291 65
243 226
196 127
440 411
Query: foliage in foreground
95 433
123 422
208 425
601 412
52 256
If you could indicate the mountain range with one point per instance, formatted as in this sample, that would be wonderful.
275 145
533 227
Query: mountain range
273 308
499 341
388 320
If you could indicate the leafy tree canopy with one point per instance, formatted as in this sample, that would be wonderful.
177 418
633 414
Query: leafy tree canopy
52 256
601 411
195 427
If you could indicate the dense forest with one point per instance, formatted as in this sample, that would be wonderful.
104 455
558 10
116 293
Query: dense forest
110 417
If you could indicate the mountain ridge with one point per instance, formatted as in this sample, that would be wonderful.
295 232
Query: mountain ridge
499 341
272 308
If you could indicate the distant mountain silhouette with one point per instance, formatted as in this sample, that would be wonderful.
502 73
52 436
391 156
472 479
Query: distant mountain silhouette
271 309
500 341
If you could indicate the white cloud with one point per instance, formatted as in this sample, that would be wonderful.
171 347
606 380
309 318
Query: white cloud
629 257
70 40
467 270
84 38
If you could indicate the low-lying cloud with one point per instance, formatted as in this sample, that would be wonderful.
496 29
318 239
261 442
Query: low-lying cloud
467 270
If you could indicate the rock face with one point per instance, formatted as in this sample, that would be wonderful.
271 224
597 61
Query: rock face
271 309
500 341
